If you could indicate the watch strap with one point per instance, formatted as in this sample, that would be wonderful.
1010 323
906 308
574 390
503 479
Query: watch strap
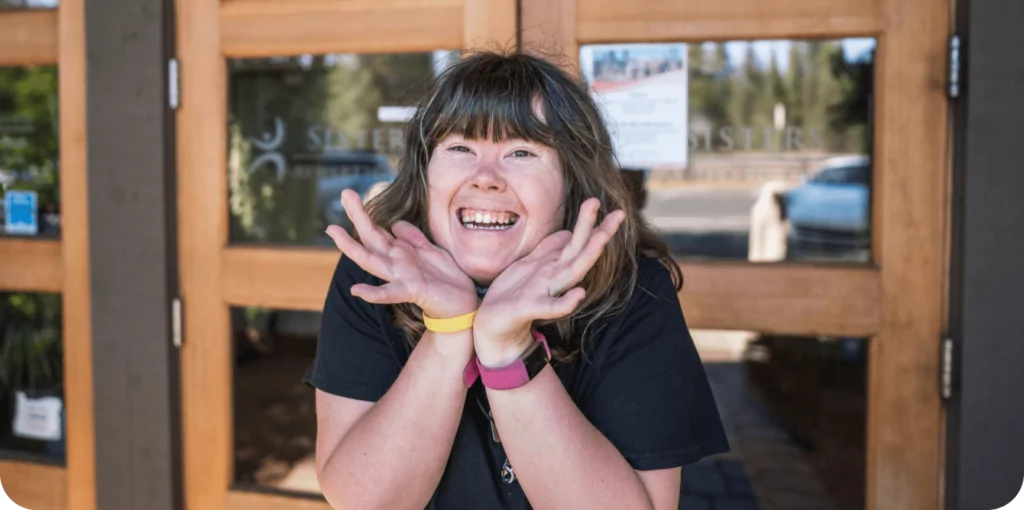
515 374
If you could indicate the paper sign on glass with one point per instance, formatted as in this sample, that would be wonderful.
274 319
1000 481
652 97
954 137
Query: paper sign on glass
643 92
21 212
37 418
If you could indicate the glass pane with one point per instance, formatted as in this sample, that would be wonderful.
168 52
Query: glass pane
304 128
29 152
795 410
28 4
274 412
745 150
31 377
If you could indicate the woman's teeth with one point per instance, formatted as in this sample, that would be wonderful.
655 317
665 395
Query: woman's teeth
487 220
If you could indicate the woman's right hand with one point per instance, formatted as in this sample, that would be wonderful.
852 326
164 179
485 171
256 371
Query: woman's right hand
416 270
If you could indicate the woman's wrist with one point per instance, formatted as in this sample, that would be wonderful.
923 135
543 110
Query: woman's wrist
495 352
451 308
454 350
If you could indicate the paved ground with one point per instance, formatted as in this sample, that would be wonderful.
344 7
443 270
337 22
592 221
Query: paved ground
703 220
701 208
778 470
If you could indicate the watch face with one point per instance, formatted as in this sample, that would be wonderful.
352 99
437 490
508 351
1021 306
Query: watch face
536 360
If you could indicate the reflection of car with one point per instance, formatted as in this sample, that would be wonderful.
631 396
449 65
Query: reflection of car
358 171
829 215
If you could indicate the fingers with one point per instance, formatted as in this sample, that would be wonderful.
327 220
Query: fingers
387 294
358 253
584 227
563 305
553 242
409 233
595 245
375 238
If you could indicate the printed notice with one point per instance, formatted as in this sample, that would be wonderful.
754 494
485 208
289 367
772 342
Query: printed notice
643 92
37 418
21 212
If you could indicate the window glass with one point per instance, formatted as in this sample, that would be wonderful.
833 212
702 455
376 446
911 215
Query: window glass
29 152
755 150
274 411
304 128
795 411
28 4
31 377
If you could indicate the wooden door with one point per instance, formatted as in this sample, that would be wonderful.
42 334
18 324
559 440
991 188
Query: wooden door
896 298
55 260
226 265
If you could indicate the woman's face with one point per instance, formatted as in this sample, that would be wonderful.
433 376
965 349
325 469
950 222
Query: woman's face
491 203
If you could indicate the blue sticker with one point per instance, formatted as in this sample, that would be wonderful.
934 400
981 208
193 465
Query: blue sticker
21 212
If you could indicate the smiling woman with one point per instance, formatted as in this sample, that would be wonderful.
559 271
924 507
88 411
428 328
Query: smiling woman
507 228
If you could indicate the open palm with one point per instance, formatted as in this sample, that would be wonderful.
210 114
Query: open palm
416 270
542 285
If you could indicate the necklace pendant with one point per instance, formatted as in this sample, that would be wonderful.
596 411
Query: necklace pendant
508 475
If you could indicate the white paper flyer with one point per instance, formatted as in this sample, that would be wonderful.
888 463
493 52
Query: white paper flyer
643 92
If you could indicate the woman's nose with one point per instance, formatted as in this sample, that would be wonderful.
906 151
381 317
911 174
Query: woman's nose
488 178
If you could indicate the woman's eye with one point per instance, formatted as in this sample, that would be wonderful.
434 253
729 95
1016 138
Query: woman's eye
522 154
460 148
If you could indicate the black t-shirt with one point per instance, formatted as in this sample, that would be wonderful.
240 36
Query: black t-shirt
641 383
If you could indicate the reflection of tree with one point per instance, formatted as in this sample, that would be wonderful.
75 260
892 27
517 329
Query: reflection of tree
29 132
821 92
338 94
360 86
852 112
31 355
262 91
707 95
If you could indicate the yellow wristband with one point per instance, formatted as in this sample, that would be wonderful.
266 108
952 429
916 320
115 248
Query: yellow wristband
452 325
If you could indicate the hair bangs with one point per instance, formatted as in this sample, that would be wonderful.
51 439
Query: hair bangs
497 102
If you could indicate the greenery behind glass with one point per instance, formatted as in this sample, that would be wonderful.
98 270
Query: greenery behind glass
31 361
338 92
29 138
822 89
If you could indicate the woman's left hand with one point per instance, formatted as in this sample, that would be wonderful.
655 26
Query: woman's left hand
540 286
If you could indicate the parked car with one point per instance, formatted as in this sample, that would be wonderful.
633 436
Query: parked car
829 215
363 172
825 217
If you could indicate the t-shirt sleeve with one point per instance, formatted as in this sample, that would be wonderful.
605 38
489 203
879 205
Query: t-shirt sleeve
650 395
355 357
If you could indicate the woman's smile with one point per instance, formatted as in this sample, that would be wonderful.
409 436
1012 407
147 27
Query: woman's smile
486 220
492 202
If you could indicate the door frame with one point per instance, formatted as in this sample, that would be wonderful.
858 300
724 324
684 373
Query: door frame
216 276
898 301
57 37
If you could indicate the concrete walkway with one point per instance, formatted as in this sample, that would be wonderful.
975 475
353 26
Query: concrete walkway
765 470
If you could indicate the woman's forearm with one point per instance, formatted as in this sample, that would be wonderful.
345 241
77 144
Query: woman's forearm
559 458
394 456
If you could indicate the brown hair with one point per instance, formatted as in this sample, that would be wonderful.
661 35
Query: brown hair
491 94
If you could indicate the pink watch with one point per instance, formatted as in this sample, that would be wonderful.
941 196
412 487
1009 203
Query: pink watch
515 374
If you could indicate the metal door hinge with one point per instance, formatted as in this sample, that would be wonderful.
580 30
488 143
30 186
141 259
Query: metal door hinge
173 98
176 322
947 368
954 66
